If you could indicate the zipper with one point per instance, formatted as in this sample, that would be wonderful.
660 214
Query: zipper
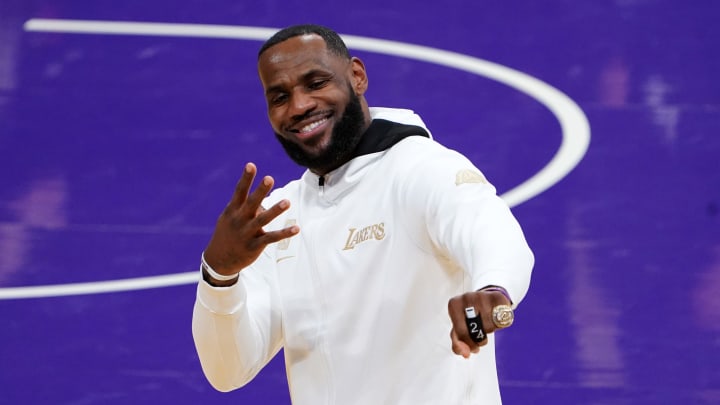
321 185
323 345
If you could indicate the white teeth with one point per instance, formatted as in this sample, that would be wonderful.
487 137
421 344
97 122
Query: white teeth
313 125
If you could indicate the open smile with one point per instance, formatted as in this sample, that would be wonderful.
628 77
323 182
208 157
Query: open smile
309 128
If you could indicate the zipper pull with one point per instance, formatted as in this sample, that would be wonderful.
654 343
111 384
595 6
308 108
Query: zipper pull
321 184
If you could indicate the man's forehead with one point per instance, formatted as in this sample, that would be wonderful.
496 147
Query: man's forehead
291 47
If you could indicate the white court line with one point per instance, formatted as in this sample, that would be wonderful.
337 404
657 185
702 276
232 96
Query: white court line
573 123
130 284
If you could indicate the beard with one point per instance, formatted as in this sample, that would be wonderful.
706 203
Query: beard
345 138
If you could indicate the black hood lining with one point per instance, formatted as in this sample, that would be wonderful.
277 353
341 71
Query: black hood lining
383 134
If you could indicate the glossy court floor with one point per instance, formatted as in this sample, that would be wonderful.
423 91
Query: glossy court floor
120 143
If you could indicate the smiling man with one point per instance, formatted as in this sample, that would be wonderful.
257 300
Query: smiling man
313 97
382 272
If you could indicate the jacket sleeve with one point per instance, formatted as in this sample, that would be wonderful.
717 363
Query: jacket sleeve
237 333
466 221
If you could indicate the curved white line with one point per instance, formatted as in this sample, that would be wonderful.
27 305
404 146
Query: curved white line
130 284
574 125
148 29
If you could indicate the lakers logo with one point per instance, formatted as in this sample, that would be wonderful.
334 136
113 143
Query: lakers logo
469 176
357 236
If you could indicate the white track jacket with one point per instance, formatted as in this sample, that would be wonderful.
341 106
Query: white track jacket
358 299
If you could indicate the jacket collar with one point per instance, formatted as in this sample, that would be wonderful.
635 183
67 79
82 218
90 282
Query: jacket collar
388 127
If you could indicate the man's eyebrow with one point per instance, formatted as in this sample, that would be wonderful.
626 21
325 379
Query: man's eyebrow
274 89
316 72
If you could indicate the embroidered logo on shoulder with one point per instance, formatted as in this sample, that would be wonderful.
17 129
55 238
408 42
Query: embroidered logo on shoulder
466 176
358 236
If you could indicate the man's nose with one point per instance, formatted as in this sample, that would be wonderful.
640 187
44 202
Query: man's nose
301 103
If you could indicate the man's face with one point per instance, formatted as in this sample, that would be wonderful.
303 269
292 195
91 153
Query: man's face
313 101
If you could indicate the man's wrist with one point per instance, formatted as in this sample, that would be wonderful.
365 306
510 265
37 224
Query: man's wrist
499 289
214 278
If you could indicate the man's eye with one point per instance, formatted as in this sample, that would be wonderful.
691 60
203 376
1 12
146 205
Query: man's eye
279 99
318 84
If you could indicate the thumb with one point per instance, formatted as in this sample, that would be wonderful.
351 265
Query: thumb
458 346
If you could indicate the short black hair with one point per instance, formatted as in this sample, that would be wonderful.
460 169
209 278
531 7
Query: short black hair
333 42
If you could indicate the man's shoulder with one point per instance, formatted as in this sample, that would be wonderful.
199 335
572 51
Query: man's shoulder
418 148
420 156
398 115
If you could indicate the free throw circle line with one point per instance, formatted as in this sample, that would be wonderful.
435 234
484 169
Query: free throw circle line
573 122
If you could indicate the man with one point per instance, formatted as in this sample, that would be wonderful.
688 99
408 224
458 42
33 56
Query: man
382 272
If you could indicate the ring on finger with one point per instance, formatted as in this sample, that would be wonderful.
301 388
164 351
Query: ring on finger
503 316
474 325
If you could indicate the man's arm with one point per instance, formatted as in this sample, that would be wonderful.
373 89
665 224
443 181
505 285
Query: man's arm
236 319
237 330
467 221
490 245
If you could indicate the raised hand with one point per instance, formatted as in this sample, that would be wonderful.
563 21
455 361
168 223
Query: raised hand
239 237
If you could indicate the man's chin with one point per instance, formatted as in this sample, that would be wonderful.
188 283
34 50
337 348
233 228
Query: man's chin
303 155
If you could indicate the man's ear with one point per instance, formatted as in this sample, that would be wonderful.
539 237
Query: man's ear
359 76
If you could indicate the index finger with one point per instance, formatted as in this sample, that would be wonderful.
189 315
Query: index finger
456 310
242 188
